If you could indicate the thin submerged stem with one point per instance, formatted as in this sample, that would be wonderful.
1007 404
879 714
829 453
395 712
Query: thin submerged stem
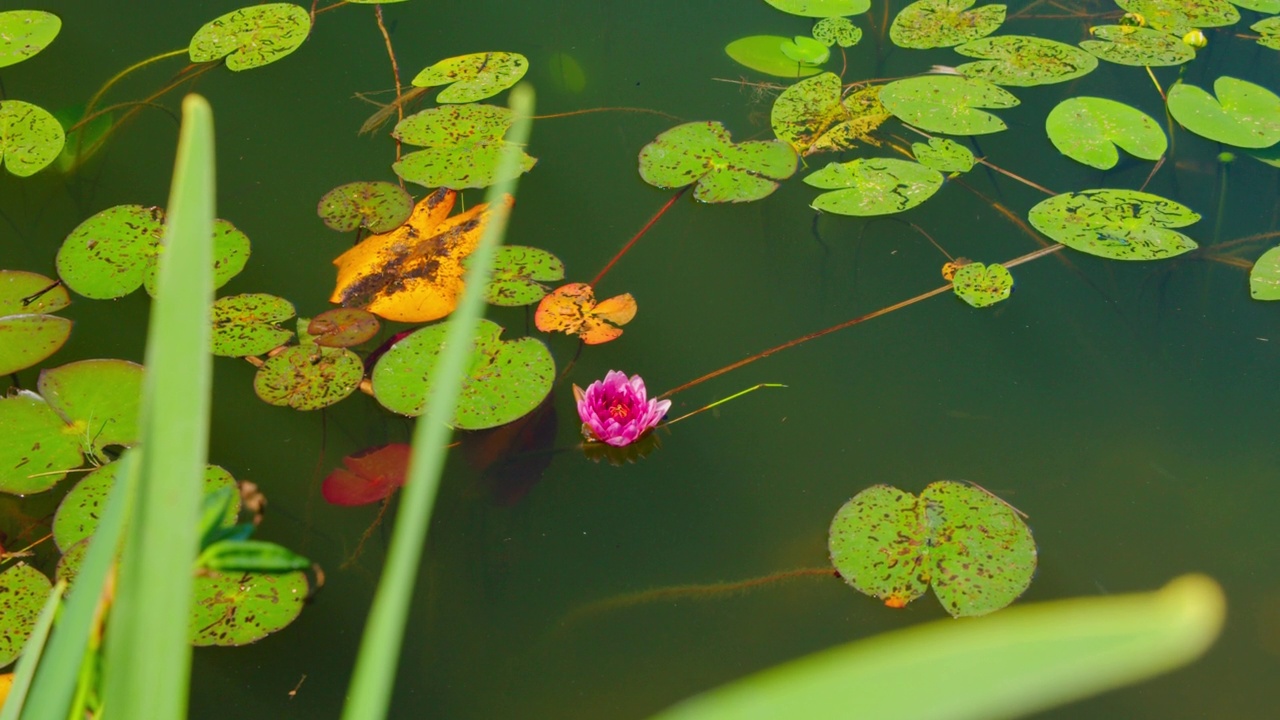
93 101
600 275
395 73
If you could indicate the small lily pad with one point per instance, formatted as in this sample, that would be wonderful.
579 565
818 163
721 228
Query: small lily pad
239 608
873 186
248 324
463 146
1117 224
821 8
506 378
837 31
947 103
806 50
969 545
1088 129
30 137
39 445
473 77
763 53
23 292
982 285
1024 61
944 155
23 33
1269 29
251 36
343 327
377 206
518 274
23 590
28 334
943 23
308 377
1264 276
1243 114
702 153
1142 47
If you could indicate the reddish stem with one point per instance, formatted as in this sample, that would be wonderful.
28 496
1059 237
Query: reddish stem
679 193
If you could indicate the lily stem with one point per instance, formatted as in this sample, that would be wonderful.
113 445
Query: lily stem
679 193
734 396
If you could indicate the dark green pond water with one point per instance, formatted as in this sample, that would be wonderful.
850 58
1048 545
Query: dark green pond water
1129 408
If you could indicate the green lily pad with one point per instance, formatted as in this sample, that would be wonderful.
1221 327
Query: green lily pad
837 31
377 206
1180 16
343 327
99 398
39 445
251 36
248 324
23 590
1117 224
473 77
464 144
239 608
970 546
1243 114
763 53
83 143
24 33
308 376
1268 7
30 138
113 252
944 155
806 50
1088 129
505 381
518 274
28 334
982 285
1264 276
873 186
1141 47
821 8
702 153
1024 61
947 103
1269 29
943 23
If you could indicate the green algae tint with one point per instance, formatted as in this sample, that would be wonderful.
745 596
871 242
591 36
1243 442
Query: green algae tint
251 37
473 77
724 171
248 324
982 285
1088 130
377 206
1116 224
969 545
874 186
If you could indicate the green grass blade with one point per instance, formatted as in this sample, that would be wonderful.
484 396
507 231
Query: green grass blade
375 671
59 668
1015 662
148 651
25 671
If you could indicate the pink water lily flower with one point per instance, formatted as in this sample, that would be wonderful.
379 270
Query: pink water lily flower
617 410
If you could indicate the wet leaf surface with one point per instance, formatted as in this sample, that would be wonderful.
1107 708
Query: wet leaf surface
248 324
943 23
1088 130
241 608
1117 224
252 36
572 309
377 206
473 77
724 171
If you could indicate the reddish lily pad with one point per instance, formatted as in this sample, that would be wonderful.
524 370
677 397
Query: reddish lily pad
371 475
239 608
377 206
343 327
245 325
23 590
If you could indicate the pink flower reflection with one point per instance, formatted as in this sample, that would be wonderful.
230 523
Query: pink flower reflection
616 410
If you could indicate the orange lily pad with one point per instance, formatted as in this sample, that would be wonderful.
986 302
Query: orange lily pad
572 309
414 272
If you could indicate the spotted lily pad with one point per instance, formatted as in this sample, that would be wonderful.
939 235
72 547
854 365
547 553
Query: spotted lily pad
343 327
239 608
873 186
1088 129
969 545
518 274
806 50
506 378
837 31
821 8
248 324
1269 30
982 285
1243 114
251 36
308 376
28 333
23 590
23 33
702 153
377 206
947 103
463 146
39 445
1138 46
812 116
1024 61
763 53
1264 276
944 155
1181 16
473 77
1117 224
113 252
30 137
942 23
